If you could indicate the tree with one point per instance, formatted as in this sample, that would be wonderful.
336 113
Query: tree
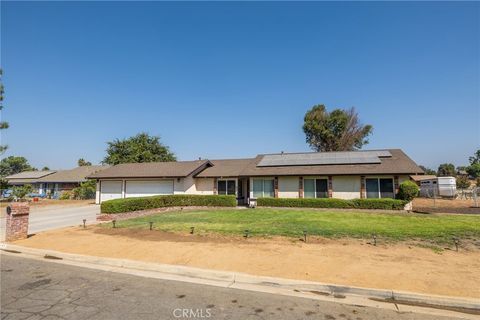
474 170
463 182
86 190
428 170
476 158
446 169
339 130
12 165
139 148
3 124
45 168
82 162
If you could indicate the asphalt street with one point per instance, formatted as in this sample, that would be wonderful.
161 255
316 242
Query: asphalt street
32 289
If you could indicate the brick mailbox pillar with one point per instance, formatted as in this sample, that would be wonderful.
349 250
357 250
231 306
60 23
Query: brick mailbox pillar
17 221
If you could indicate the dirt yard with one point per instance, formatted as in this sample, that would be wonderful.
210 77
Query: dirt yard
445 206
399 266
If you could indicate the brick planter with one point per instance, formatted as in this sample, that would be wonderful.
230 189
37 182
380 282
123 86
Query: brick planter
17 221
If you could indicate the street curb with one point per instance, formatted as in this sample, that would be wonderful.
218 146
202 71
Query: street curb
243 280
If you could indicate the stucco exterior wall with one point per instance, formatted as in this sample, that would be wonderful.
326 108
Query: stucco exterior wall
204 186
288 187
346 187
189 186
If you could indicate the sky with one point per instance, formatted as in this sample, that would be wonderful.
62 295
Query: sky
232 80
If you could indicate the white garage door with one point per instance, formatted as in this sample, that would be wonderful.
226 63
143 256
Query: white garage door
148 188
110 190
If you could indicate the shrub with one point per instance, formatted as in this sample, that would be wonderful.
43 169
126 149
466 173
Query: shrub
20 192
305 203
86 190
385 204
66 195
407 190
477 182
183 200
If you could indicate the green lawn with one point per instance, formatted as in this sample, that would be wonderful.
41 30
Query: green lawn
291 223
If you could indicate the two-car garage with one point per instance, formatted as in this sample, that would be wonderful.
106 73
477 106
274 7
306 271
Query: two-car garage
128 180
116 189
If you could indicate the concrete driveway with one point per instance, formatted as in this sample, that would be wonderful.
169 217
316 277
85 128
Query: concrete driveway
53 217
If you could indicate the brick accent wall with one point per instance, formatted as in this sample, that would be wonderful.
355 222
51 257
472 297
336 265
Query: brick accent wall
17 221
215 191
275 187
395 184
330 187
300 187
363 189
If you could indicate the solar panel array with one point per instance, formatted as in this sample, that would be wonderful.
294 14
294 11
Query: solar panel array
323 158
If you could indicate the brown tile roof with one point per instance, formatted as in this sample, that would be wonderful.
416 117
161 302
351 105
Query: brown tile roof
398 163
177 169
27 177
30 174
78 174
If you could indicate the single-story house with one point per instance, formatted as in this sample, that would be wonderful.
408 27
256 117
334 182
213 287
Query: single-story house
54 182
344 175
28 177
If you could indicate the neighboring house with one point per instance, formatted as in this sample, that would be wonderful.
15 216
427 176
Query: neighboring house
54 182
28 177
344 175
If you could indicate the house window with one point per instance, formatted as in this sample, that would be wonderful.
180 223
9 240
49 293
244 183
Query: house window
380 188
315 188
263 188
226 187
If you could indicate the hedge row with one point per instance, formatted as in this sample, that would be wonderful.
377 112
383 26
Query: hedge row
385 204
143 203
